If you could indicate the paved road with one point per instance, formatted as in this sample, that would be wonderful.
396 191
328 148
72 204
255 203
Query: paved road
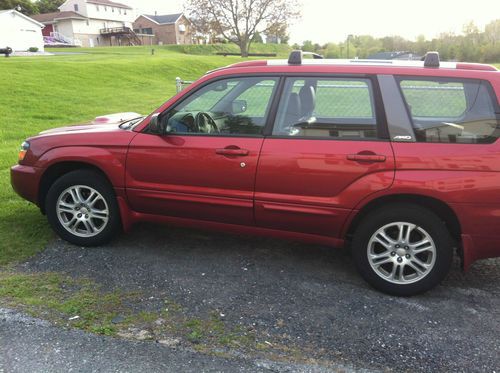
310 294
31 345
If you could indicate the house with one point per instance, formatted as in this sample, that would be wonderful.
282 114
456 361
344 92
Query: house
90 23
167 29
20 32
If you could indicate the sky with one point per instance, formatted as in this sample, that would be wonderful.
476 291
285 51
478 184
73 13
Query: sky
330 20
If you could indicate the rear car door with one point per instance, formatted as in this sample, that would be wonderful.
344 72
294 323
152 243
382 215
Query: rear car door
204 165
328 149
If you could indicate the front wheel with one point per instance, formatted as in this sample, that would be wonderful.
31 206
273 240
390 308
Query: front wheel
402 250
82 209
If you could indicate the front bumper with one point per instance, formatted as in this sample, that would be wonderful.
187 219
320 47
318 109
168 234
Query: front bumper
25 181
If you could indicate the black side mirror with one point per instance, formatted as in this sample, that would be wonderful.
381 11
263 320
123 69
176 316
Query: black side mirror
239 106
154 124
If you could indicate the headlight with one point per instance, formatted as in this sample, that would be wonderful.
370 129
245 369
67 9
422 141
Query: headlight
24 149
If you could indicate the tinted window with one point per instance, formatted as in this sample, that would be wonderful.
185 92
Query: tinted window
451 111
231 106
322 107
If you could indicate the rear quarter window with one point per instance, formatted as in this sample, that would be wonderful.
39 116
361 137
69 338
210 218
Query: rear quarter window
451 110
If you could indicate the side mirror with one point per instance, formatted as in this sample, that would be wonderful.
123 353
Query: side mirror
221 87
154 124
239 106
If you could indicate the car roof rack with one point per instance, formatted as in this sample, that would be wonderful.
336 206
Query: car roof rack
431 59
296 57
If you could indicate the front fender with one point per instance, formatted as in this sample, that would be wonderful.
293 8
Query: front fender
111 161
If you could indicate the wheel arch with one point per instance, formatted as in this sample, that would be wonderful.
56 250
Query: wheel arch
440 208
56 170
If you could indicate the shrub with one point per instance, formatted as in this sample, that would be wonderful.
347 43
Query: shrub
33 49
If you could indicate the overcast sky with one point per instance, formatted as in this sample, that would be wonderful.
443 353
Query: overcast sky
331 20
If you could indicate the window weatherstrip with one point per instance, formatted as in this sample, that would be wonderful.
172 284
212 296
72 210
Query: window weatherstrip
396 111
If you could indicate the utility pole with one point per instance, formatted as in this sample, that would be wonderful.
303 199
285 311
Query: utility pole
349 37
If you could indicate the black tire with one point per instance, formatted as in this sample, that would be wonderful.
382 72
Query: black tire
94 180
424 219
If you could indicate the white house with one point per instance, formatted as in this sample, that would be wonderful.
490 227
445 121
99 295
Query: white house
20 32
90 23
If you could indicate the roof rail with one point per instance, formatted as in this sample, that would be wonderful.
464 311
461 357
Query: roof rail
431 59
296 56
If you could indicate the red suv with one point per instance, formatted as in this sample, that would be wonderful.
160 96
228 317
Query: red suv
397 160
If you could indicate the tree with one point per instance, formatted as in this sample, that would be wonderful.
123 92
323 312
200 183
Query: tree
308 46
26 6
239 20
492 32
257 38
279 32
49 6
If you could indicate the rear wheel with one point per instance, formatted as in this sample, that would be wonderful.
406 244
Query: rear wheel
403 249
82 209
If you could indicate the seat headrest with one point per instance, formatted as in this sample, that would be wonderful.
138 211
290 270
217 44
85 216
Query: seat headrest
308 100
294 107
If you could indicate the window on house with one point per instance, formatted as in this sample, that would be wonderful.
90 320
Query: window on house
105 8
75 6
451 110
119 10
112 9
125 11
97 7
88 23
148 31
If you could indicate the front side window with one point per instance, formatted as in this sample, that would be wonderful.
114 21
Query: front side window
225 107
451 110
327 107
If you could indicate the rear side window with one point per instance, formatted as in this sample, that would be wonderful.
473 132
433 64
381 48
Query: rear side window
327 107
451 111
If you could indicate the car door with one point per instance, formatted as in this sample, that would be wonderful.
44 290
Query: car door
204 165
328 150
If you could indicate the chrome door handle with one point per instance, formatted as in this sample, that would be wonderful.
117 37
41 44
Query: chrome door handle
232 151
366 157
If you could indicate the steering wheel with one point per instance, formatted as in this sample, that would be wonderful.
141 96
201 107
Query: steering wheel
205 123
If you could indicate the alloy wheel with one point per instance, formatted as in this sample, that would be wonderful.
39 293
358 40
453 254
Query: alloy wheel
82 211
401 252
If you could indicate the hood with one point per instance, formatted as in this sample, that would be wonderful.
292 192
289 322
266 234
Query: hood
104 122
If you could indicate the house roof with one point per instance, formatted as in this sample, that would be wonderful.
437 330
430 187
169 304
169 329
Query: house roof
108 3
35 21
50 17
165 19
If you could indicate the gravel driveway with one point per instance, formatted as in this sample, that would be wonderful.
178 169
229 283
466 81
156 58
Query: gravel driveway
308 295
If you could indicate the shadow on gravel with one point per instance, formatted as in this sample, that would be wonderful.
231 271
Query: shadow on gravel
309 295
